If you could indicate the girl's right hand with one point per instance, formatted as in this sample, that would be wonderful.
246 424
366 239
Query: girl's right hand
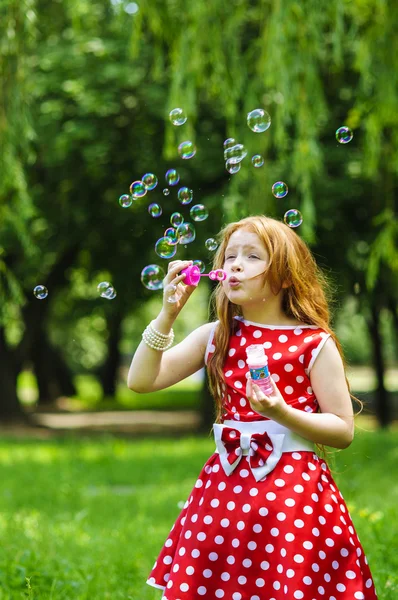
175 293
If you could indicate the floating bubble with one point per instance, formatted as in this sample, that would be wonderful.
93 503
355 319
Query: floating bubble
186 233
171 233
185 195
106 290
176 219
344 135
40 292
229 142
199 212
152 277
166 192
211 244
125 201
232 167
150 181
258 120
172 177
257 160
187 150
235 154
164 248
177 116
280 189
155 210
138 189
200 264
293 217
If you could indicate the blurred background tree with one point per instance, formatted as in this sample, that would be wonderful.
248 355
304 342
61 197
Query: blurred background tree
86 92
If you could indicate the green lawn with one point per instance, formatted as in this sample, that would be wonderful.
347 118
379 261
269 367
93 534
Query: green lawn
84 518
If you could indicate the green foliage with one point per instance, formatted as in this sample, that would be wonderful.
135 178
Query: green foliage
86 518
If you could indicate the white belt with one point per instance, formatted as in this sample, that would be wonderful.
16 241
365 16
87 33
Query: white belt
263 442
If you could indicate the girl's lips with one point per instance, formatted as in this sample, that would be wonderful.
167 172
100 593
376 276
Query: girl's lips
233 282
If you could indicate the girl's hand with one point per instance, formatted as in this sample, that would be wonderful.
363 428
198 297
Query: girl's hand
175 293
273 406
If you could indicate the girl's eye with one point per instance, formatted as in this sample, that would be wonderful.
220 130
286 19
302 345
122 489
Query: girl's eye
229 257
253 256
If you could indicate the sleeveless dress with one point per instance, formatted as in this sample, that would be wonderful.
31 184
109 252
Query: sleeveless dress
288 536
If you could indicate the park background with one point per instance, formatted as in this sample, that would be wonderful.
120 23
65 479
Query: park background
86 91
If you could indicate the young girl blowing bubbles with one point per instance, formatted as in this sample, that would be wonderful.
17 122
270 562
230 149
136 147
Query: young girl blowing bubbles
265 520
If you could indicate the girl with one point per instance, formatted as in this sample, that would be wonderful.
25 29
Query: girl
265 520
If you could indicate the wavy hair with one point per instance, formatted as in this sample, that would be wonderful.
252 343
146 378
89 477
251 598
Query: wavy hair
292 269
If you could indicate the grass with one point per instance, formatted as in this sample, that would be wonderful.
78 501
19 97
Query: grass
84 518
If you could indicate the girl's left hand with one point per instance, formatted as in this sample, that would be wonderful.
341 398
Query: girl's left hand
273 406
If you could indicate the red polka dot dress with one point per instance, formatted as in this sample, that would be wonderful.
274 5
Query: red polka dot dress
286 536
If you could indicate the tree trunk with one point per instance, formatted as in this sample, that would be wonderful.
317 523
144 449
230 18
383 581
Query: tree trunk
11 409
53 376
109 370
383 409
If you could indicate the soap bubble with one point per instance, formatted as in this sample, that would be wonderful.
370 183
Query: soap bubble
166 192
199 212
293 217
211 244
257 160
232 167
258 120
176 219
280 189
138 189
152 277
229 142
106 290
177 116
344 135
155 210
186 233
164 248
40 292
172 177
125 201
150 181
185 195
171 233
187 149
235 154
200 264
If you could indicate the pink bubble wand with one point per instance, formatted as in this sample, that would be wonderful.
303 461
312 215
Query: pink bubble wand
193 275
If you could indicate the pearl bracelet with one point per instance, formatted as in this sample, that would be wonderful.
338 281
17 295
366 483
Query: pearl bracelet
156 340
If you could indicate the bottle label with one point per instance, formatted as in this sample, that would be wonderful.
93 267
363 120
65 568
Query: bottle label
260 373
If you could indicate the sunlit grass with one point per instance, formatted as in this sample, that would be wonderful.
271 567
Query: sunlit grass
84 518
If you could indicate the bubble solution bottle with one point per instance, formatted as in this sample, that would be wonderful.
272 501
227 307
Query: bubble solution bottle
257 362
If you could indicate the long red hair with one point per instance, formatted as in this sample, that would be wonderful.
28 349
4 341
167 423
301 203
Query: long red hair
292 268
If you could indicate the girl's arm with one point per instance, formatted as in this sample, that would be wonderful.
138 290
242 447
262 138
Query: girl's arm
334 425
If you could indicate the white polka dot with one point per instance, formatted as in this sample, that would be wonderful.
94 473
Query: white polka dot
297 331
335 565
322 555
224 522
308 339
279 568
260 582
238 384
167 560
308 545
253 492
301 358
244 473
231 352
315 497
208 519
279 483
290 573
275 377
246 508
299 379
282 338
252 545
288 469
242 579
337 530
274 532
296 456
298 489
243 341
215 503
344 552
276 585
298 558
236 596
247 563
201 536
213 556
194 518
240 525
308 510
302 399
316 532
187 534
350 574
235 542
329 542
293 348
222 486
281 516
242 402
184 587
288 367
315 568
329 508
169 543
257 528
199 483
220 593
340 587
228 373
277 356
230 560
216 468
264 565
231 505
307 580
368 583
270 496
195 553
359 596
219 539
257 333
305 476
237 489
267 345
207 573
269 548
225 576
327 577
290 502
298 594
241 364
289 537
190 570
321 590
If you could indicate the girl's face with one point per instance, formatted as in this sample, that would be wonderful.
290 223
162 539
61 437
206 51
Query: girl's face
245 261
